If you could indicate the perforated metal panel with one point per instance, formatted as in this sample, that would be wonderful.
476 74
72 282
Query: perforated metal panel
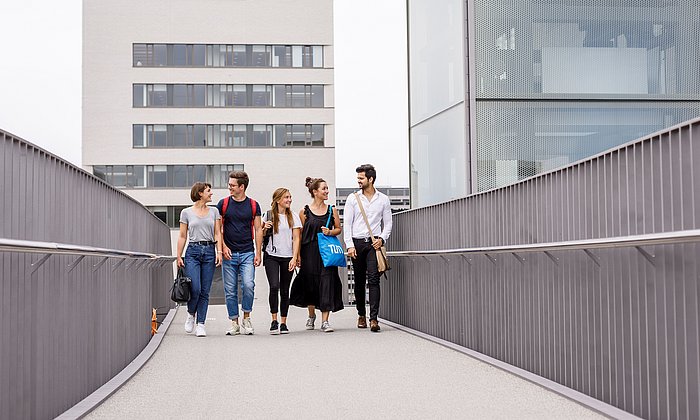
516 140
615 47
583 76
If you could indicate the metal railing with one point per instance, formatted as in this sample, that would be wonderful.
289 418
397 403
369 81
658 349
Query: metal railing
637 241
77 315
600 292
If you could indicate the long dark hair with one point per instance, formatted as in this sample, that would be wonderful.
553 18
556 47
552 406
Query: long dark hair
313 184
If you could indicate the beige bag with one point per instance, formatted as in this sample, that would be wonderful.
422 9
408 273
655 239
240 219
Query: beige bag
382 260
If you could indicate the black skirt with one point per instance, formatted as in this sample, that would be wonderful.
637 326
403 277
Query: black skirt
315 284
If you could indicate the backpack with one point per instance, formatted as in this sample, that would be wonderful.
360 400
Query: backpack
267 236
253 206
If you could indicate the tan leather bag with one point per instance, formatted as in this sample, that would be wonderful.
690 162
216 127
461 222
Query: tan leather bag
382 260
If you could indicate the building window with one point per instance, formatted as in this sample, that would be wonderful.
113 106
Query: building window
227 55
164 176
227 96
122 176
227 135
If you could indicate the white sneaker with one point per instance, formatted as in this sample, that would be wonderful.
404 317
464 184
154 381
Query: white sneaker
235 328
201 332
247 327
325 327
310 322
189 323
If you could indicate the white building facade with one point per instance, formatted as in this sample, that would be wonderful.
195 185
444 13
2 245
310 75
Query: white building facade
180 91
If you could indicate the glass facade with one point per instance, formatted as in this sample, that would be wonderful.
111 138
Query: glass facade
437 97
555 81
558 81
227 135
227 55
164 176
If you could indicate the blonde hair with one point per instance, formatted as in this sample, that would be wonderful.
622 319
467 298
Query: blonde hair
276 197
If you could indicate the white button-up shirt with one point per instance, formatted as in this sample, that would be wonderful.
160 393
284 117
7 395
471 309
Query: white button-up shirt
378 213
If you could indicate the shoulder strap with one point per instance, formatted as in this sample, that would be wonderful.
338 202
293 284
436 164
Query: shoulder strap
364 215
330 214
225 206
268 217
253 207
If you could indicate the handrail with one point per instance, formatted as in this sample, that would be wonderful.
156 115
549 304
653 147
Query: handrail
664 238
37 247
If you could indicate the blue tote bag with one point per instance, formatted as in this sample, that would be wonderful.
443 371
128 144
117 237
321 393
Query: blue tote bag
332 253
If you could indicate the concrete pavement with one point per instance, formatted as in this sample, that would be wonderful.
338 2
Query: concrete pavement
349 373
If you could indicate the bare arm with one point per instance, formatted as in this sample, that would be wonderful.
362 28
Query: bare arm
182 237
219 241
296 241
258 241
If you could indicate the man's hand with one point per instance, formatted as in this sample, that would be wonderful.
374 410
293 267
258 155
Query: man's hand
257 260
180 263
218 259
352 253
377 243
227 253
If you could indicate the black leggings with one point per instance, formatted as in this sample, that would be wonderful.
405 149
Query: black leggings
279 277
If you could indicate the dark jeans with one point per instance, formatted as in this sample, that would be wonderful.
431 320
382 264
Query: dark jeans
365 267
279 277
200 262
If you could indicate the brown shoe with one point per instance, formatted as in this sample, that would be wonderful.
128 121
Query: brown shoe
362 322
374 325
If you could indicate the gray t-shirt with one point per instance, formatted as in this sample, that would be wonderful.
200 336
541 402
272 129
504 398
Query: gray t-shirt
200 228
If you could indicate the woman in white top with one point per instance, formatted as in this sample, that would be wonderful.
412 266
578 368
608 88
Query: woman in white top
281 254
201 225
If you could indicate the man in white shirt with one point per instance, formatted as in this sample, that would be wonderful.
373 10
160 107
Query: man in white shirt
361 247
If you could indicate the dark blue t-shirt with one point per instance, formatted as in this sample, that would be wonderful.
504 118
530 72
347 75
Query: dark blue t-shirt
238 230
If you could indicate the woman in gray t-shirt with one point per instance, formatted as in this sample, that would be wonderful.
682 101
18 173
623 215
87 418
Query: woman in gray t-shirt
201 225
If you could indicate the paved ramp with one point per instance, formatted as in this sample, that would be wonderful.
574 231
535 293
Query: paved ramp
349 373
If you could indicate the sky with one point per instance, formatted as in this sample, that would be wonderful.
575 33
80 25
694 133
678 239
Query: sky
40 82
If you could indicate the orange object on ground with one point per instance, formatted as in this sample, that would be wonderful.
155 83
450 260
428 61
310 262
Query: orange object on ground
154 323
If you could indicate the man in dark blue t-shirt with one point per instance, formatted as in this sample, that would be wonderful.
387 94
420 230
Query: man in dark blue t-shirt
241 226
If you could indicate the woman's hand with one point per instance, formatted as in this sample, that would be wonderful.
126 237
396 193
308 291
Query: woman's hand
180 263
325 231
267 225
292 264
218 258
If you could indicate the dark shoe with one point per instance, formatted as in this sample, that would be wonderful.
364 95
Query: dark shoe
274 328
374 325
284 329
362 322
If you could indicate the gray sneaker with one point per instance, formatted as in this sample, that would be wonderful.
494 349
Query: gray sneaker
310 323
247 327
326 327
235 328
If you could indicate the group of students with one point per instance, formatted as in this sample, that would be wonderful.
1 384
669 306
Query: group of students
231 235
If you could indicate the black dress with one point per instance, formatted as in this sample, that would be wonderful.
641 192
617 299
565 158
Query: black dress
315 284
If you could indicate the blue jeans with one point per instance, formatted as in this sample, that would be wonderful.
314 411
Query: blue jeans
241 263
200 262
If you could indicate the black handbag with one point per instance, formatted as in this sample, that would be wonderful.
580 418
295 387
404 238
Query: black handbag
182 287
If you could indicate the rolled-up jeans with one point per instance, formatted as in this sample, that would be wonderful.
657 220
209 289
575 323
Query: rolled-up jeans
200 262
241 263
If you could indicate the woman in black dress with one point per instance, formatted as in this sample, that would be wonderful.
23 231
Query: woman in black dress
317 286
